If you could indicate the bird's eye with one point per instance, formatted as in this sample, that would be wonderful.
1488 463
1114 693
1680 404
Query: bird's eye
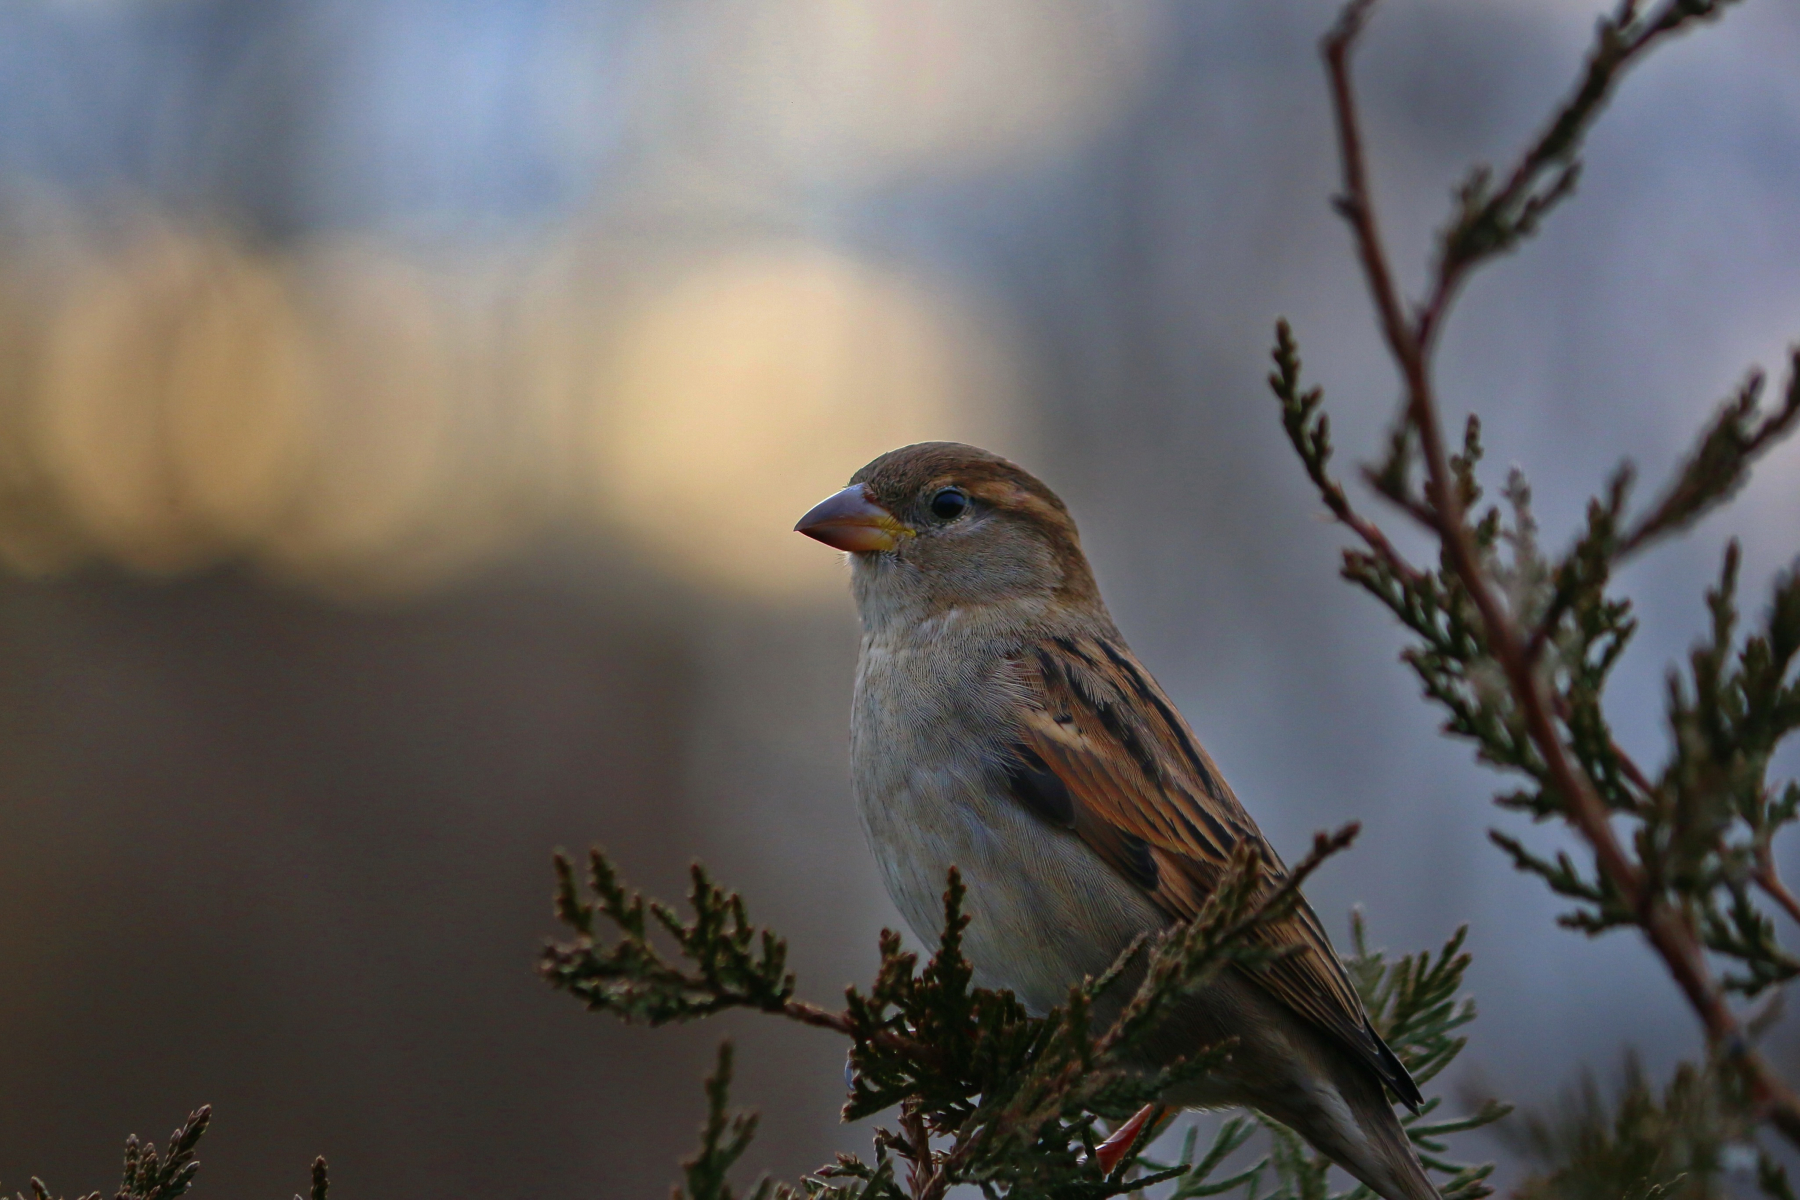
949 504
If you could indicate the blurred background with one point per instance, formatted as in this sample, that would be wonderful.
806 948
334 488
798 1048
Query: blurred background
404 407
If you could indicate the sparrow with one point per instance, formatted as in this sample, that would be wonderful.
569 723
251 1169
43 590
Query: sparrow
1001 725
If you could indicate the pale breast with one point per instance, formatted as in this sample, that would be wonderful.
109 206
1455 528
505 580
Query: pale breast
929 737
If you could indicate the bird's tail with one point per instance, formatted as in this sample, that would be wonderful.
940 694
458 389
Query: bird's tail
1390 1165
1367 1140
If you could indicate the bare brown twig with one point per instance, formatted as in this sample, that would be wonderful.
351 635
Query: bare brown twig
808 1013
1546 173
1770 882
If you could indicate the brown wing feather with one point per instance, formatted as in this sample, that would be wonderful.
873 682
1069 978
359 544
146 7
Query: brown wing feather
1132 781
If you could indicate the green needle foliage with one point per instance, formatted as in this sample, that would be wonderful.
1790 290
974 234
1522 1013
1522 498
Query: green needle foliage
982 1092
1703 831
723 1140
1417 1006
153 1175
150 1175
729 963
1679 1145
1516 647
1642 1146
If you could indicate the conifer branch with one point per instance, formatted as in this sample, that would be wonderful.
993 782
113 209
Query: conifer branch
1644 1145
321 1181
984 1093
1517 648
153 1174
723 1139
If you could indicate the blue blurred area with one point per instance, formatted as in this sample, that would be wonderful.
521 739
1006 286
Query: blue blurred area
296 118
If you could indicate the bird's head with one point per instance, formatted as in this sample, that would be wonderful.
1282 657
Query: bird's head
940 524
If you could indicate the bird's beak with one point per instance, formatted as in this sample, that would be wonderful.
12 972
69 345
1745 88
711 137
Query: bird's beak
849 520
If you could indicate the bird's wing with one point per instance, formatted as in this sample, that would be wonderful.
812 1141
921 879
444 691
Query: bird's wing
1103 752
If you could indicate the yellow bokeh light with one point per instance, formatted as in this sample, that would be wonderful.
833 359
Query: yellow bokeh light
170 406
396 384
36 537
756 384
351 420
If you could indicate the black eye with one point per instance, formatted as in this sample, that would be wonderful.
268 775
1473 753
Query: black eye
949 504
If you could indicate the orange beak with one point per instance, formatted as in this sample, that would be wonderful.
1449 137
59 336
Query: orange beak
849 520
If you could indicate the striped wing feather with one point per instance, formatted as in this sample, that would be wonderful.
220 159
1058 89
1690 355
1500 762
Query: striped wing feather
1104 753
